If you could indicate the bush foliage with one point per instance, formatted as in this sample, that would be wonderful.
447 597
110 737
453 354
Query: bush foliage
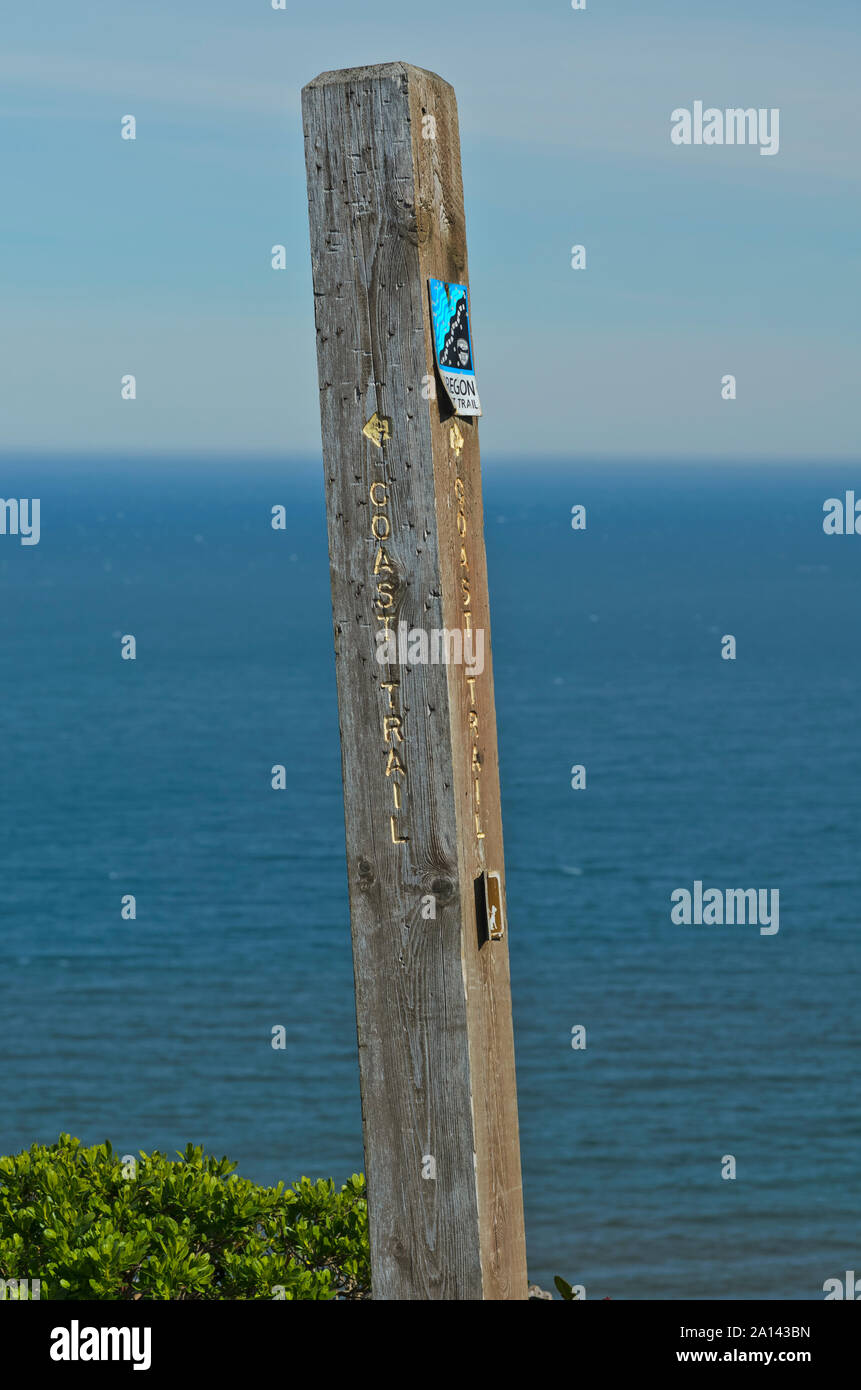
93 1225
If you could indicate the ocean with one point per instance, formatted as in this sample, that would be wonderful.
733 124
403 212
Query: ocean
151 778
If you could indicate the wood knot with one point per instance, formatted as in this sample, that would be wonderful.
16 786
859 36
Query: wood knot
424 224
416 224
443 890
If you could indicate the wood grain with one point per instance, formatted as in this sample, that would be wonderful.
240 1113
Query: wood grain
433 1005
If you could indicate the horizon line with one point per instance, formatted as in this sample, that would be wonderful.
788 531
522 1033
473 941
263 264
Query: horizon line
306 461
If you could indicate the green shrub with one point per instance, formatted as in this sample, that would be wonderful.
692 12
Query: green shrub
76 1219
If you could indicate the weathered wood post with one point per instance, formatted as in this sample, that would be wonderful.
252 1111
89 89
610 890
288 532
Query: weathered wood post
415 686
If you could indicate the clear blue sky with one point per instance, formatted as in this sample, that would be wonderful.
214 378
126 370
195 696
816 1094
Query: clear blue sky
152 257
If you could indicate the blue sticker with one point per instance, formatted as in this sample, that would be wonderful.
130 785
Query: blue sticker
453 345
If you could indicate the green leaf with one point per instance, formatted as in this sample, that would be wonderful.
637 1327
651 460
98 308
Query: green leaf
187 1228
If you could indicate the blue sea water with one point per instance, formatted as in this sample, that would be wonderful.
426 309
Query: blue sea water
152 777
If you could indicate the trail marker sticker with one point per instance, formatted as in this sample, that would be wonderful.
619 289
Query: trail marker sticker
453 345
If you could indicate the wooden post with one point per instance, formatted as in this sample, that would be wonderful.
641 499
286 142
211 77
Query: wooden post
418 738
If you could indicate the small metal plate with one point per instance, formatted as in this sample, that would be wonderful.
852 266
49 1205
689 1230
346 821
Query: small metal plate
495 913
